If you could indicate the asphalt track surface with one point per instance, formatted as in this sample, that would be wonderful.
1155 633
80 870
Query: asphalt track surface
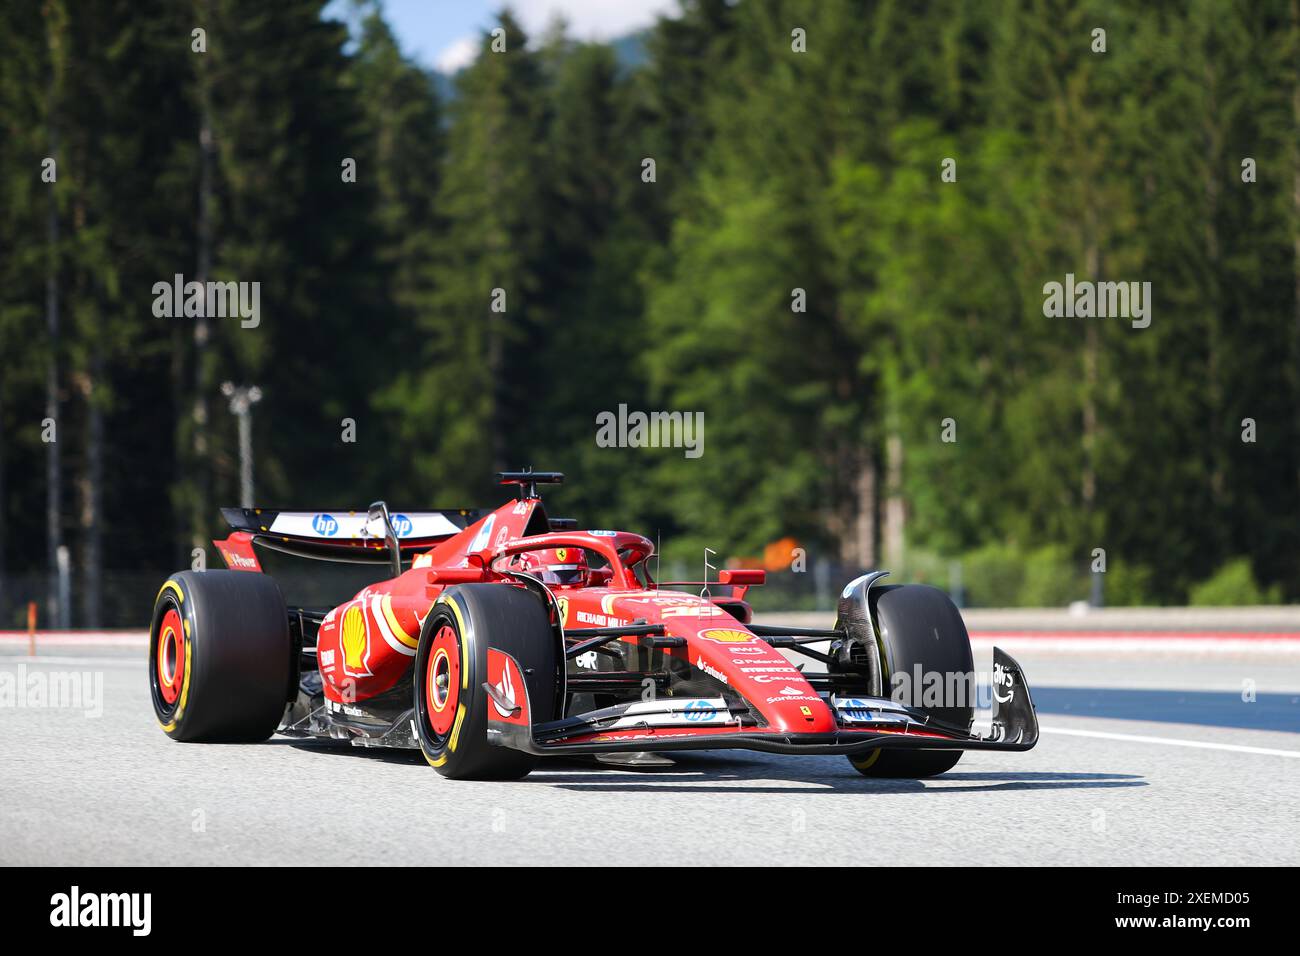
1149 756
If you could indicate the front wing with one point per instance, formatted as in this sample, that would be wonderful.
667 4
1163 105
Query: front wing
667 725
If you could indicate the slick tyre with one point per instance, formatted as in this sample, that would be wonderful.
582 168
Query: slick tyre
219 656
918 625
451 705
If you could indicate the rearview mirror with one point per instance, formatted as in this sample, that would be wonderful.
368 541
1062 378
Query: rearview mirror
378 525
376 520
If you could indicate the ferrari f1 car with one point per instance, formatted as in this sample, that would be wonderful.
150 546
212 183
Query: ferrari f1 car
506 636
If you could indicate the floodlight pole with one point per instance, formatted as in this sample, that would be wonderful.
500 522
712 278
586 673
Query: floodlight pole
242 399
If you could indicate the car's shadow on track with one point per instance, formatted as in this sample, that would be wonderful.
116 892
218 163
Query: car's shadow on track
341 748
727 773
707 773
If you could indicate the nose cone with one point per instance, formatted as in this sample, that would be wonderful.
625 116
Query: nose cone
763 676
794 707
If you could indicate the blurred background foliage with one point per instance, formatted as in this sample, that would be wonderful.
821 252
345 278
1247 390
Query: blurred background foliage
775 171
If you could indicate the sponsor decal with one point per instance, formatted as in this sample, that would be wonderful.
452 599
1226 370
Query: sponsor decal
713 672
698 610
851 710
784 700
599 620
484 533
564 611
603 534
327 658
774 669
699 710
726 635
773 678
340 524
502 535
236 560
561 555
748 650
507 691
705 710
587 661
1005 679
355 640
655 598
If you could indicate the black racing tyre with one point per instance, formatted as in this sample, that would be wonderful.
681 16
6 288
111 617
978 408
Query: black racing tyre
919 625
219 656
451 706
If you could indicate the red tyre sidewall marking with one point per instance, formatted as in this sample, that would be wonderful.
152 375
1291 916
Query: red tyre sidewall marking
170 644
444 654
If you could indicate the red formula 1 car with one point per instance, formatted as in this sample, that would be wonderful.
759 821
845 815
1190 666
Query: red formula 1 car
503 637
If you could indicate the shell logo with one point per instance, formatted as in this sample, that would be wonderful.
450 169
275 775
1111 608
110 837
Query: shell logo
726 635
354 640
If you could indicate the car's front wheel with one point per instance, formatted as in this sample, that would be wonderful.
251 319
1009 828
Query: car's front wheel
451 704
921 634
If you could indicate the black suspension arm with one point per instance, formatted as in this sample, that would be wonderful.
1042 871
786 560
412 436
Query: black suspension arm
592 637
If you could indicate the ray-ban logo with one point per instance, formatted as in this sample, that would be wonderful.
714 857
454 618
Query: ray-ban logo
1103 300
75 908
211 300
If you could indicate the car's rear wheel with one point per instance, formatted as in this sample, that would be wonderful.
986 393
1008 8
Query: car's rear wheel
219 656
451 705
920 631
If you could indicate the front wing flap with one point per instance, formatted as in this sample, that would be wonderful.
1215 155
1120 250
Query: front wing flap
707 724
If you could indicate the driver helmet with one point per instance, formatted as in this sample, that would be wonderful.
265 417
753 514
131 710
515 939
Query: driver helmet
564 567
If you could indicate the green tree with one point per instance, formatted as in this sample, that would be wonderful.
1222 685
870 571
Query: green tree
459 398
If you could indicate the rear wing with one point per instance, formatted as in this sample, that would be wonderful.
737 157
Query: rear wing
333 535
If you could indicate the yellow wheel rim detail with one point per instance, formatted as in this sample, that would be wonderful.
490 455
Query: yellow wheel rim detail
867 762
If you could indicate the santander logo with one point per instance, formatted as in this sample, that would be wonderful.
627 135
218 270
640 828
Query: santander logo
507 691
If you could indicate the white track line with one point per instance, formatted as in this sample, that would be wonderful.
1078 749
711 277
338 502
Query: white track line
140 639
1130 645
1173 742
8 660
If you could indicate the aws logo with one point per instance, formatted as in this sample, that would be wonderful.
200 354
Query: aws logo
325 525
